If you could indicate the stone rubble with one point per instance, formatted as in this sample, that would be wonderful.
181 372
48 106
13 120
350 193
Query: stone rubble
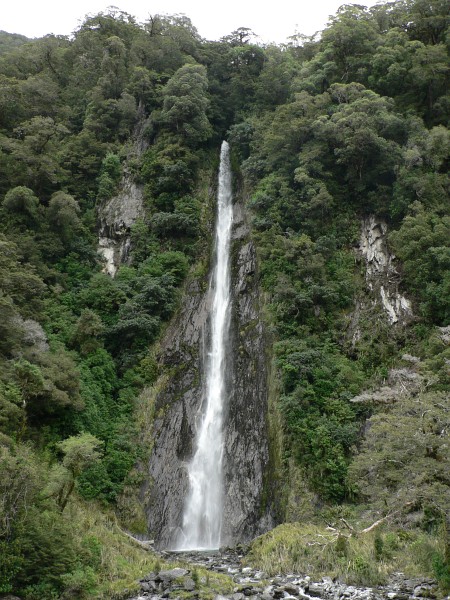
252 584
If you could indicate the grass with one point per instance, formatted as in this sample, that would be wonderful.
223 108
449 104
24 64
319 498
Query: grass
364 559
121 562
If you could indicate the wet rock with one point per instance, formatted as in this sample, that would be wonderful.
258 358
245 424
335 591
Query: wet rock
382 276
246 453
169 576
189 584
316 590
425 590
116 217
291 589
149 577
148 586
302 582
284 587
247 590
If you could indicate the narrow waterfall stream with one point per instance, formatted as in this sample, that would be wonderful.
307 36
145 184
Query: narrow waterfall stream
202 517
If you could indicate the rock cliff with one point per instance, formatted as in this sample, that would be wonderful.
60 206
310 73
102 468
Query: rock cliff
246 454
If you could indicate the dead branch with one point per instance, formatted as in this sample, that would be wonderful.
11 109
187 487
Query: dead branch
380 521
144 545
348 525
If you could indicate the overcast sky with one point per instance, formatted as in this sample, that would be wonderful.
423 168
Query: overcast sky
272 20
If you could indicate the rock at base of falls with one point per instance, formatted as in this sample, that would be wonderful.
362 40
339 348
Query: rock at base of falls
249 582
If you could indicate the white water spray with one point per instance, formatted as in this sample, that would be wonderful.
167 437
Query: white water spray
202 518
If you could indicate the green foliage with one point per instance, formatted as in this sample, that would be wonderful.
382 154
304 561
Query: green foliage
21 200
88 330
327 130
79 453
63 212
185 104
441 569
300 547
109 178
404 458
8 41
379 548
23 289
422 243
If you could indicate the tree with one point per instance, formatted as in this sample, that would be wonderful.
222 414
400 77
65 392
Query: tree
110 174
20 283
88 329
184 104
365 136
422 243
349 41
404 457
80 452
34 150
63 211
23 202
18 486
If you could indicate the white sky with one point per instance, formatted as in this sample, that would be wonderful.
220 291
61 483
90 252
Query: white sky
272 21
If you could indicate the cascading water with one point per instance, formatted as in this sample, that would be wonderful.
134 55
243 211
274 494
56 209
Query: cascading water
202 517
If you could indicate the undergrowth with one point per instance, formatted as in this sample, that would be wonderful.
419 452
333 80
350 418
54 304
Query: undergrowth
364 559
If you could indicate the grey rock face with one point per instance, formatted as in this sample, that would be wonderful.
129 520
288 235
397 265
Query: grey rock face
246 453
116 217
382 277
246 447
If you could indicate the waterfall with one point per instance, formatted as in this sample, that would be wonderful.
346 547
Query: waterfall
202 518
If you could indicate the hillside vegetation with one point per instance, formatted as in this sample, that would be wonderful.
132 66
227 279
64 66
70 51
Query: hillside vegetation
324 132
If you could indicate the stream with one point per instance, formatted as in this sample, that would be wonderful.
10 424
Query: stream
254 584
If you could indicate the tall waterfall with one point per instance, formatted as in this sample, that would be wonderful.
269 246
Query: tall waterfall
202 518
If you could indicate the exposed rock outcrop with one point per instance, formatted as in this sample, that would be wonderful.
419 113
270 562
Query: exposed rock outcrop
382 277
116 217
246 512
118 214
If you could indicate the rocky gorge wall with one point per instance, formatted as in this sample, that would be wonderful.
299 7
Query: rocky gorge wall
247 505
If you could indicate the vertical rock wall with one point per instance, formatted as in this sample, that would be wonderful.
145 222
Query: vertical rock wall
246 510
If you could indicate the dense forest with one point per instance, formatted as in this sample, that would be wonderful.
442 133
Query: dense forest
325 132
